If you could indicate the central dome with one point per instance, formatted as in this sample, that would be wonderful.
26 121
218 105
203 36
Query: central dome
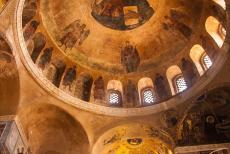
121 36
122 14
121 53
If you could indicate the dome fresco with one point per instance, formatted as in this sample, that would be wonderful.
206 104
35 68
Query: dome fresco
122 14
125 51
123 54
114 77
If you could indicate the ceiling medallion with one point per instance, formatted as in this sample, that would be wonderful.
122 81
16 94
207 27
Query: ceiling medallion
122 14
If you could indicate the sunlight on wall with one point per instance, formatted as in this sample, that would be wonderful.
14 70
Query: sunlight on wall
171 73
196 53
216 30
221 3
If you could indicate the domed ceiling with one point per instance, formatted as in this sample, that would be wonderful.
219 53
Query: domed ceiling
121 36
120 53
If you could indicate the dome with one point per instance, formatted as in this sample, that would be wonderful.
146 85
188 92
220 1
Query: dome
114 77
121 55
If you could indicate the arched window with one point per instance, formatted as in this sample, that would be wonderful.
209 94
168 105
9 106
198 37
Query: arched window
114 93
148 96
216 30
206 61
197 55
147 93
221 3
114 97
180 84
176 80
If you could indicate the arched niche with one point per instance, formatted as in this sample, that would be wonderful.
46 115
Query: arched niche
9 80
36 45
83 86
146 89
221 3
69 79
207 121
30 29
132 137
51 130
55 72
114 93
171 73
216 30
196 54
45 58
29 12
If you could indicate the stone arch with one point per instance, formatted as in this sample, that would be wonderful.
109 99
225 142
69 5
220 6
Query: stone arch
128 137
216 30
50 129
171 73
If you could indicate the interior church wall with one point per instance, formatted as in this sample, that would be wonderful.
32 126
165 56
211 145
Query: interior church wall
49 118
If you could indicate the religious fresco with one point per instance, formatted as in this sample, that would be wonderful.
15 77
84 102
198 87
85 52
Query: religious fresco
29 11
130 58
126 140
45 58
122 14
30 29
69 77
99 89
73 35
147 146
208 122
